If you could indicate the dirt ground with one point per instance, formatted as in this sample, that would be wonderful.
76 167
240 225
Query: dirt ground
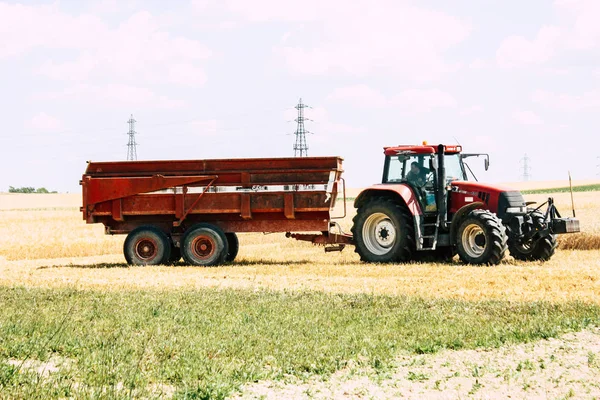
563 368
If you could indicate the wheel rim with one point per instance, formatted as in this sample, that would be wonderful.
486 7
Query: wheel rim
525 247
146 249
379 234
203 247
474 241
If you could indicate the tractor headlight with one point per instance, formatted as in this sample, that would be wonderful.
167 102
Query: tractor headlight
516 210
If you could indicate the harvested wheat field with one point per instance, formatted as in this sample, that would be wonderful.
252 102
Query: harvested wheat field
359 330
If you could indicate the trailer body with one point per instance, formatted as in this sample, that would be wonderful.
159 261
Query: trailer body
232 195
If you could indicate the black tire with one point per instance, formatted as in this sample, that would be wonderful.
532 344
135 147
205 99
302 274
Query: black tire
383 231
537 248
175 254
204 245
147 245
233 245
481 238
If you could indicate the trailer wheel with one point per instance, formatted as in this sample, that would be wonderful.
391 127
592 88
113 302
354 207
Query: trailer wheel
535 249
481 238
147 245
234 246
383 231
204 245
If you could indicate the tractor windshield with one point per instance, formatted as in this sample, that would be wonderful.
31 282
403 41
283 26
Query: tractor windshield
454 168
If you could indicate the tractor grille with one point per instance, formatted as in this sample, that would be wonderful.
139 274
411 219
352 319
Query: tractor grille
509 199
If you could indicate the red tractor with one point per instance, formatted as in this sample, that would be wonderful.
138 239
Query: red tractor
425 207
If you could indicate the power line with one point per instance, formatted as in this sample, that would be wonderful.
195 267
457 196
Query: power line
526 168
301 147
131 145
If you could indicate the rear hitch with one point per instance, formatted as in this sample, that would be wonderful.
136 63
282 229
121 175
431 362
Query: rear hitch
554 222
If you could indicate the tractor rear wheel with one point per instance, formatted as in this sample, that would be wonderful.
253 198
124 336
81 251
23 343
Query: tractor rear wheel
234 246
383 231
537 248
147 245
481 238
204 245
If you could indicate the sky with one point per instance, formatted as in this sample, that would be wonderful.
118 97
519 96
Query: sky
220 79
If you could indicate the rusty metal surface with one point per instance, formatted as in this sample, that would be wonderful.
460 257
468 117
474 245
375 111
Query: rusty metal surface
239 195
324 239
210 167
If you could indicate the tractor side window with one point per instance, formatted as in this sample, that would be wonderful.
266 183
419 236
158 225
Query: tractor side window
395 169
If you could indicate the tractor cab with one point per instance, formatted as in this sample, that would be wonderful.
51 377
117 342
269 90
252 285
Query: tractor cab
418 167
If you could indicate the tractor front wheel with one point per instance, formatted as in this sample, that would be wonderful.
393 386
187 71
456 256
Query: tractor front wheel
383 231
481 238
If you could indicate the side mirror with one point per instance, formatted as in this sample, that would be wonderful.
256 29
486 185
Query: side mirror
486 162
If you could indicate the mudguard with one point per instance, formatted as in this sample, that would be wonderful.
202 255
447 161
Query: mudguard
401 191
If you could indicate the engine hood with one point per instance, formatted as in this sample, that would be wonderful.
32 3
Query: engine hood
483 187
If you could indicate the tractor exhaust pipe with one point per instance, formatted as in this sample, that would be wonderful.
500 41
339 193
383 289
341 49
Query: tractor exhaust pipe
442 204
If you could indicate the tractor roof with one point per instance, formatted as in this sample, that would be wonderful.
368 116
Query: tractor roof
420 149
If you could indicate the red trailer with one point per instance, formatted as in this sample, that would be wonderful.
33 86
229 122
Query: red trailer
194 208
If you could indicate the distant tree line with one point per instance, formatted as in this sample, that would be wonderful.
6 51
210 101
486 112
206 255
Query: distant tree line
12 189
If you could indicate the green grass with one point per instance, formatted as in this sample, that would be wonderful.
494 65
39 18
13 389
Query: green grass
583 188
207 343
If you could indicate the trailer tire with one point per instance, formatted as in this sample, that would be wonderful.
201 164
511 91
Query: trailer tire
147 245
233 245
384 231
175 254
204 245
481 238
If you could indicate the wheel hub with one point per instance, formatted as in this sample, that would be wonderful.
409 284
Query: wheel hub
203 247
386 234
146 249
474 241
379 233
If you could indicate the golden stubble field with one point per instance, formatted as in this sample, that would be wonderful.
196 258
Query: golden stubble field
45 243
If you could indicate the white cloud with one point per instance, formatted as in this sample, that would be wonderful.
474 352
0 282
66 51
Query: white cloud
113 95
139 50
186 75
422 100
478 63
585 30
410 101
579 30
359 95
471 110
43 122
527 118
393 37
517 50
568 102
